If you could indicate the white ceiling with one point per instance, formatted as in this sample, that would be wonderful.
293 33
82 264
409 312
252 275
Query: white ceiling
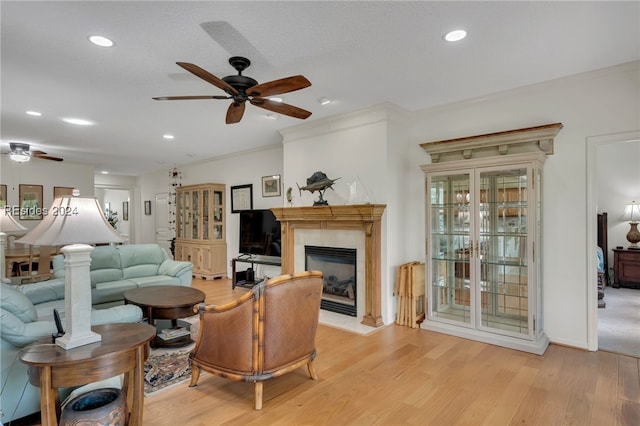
358 53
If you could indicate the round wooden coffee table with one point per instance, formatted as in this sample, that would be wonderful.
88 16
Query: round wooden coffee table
166 302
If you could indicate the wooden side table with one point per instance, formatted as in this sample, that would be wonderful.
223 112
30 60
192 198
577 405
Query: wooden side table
626 268
123 349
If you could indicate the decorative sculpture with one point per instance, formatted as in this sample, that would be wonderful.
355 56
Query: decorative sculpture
318 182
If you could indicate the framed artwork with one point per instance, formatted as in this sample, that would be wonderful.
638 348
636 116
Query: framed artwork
271 186
30 202
125 210
241 198
3 195
147 207
62 190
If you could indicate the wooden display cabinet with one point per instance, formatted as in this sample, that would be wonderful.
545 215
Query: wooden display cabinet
201 229
483 210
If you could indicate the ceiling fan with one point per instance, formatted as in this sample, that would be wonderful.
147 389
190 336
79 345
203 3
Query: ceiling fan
20 152
241 89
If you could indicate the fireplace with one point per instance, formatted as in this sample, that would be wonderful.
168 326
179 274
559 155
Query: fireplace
338 266
364 219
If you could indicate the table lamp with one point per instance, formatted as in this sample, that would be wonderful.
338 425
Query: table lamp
632 214
75 222
8 225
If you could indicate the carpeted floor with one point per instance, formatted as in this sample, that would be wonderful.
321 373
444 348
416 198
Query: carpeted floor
619 322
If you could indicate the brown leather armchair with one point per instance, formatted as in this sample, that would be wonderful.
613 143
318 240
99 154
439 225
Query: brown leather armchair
268 332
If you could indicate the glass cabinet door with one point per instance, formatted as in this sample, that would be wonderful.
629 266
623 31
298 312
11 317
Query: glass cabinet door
194 211
205 214
179 216
478 250
218 216
187 215
450 227
503 254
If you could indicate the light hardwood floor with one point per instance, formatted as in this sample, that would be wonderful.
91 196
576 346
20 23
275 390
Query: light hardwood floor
404 376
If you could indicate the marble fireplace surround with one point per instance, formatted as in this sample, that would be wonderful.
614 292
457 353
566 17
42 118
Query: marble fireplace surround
360 217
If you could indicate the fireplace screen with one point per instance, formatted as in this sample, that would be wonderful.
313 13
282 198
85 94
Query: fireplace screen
338 266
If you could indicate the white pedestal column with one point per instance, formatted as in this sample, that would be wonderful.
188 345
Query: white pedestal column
77 297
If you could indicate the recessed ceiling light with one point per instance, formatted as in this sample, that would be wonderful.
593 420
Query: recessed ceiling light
324 101
455 35
78 121
275 99
168 136
104 172
34 113
100 41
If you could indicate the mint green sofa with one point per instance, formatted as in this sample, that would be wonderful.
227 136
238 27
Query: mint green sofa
114 270
22 323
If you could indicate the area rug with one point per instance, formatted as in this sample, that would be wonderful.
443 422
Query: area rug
166 368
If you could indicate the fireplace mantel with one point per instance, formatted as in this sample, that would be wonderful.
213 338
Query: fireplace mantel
364 217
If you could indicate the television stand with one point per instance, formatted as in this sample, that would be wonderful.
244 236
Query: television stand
252 259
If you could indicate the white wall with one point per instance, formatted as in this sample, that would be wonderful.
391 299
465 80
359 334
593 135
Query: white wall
241 169
369 148
597 103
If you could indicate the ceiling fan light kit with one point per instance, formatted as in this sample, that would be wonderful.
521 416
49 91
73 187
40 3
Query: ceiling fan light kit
240 89
20 157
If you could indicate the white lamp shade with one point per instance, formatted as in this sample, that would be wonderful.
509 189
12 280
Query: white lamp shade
8 224
73 220
631 212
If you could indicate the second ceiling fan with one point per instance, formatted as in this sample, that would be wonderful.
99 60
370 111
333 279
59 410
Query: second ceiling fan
241 89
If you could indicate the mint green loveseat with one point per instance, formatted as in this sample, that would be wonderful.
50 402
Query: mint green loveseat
114 270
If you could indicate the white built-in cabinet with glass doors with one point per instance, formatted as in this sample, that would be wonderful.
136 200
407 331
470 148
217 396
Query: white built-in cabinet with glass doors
483 240
200 229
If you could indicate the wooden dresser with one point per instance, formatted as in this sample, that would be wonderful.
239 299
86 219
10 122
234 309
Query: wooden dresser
626 268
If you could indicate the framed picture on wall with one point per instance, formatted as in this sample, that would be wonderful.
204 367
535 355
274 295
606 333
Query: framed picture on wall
3 195
59 191
241 198
271 186
125 210
30 202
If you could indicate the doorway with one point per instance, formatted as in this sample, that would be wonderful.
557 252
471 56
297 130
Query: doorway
611 186
118 202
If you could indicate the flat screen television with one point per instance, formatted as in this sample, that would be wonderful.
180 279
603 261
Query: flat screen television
259 233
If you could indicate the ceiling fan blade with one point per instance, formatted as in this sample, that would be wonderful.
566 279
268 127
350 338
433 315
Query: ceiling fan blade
208 77
184 98
235 112
281 108
46 157
276 87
